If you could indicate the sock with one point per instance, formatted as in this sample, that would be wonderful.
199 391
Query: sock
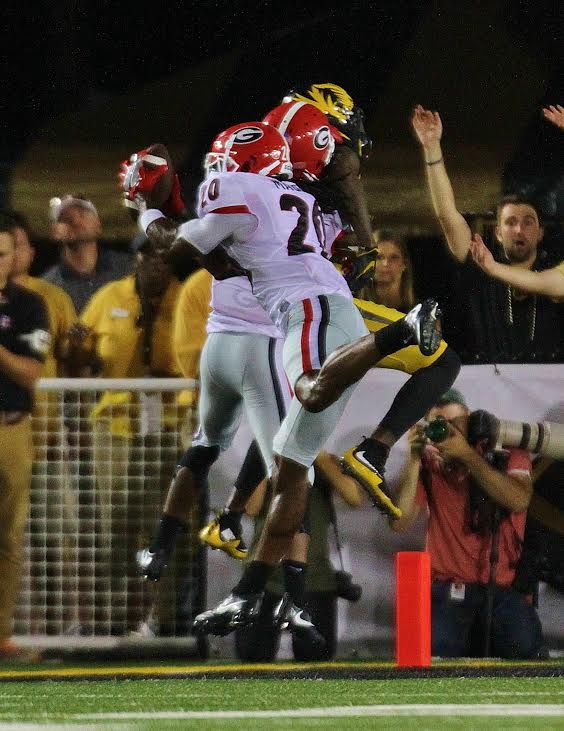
252 471
294 580
376 452
254 579
167 532
230 520
391 338
420 392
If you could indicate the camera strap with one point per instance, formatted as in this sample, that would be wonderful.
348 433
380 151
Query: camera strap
490 588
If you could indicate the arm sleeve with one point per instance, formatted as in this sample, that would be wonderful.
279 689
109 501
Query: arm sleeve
343 175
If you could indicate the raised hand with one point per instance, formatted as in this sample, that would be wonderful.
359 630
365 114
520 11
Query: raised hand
481 254
417 440
555 114
455 446
427 126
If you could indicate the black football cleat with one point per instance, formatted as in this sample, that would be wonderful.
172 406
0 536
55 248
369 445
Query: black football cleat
303 630
234 611
424 323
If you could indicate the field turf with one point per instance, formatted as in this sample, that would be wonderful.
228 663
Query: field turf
283 696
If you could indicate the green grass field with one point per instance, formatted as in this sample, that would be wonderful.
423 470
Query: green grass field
280 703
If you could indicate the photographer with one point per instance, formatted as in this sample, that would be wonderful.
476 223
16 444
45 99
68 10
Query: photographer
476 505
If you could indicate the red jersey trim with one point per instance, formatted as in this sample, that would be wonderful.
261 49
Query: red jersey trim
231 209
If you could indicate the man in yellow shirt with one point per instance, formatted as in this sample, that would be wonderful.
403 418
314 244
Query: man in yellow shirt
49 438
132 320
129 322
189 332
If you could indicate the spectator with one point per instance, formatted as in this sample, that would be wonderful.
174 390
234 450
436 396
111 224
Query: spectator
51 488
24 342
476 507
129 322
60 307
84 266
391 283
507 323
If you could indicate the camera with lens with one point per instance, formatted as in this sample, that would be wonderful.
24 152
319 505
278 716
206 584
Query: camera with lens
346 588
544 438
437 430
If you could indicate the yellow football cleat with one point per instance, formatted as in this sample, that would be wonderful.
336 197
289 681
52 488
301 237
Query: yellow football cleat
370 478
233 546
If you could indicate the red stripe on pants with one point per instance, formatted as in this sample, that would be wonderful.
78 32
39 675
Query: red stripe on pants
306 355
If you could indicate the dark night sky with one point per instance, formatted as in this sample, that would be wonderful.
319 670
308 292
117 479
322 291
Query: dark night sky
72 55
80 49
67 54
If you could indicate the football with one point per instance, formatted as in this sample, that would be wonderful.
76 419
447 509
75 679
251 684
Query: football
160 191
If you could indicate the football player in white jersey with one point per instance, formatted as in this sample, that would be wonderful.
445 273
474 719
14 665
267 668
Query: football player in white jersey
240 367
338 185
274 230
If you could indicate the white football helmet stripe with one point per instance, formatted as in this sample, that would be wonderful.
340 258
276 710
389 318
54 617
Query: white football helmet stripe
287 118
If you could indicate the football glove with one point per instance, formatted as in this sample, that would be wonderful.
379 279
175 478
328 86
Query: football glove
140 174
148 178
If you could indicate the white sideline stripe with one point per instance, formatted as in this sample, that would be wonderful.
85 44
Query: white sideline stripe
404 694
420 709
58 727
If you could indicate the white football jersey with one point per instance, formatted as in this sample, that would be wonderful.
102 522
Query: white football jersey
236 309
283 252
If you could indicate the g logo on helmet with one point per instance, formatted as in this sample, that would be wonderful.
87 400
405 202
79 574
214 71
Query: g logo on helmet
322 138
247 134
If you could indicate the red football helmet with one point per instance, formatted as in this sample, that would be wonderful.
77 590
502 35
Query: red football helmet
310 136
249 147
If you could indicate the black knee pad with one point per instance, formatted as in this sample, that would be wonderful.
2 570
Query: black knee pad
199 460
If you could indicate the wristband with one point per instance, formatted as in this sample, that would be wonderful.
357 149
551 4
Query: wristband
434 162
147 218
